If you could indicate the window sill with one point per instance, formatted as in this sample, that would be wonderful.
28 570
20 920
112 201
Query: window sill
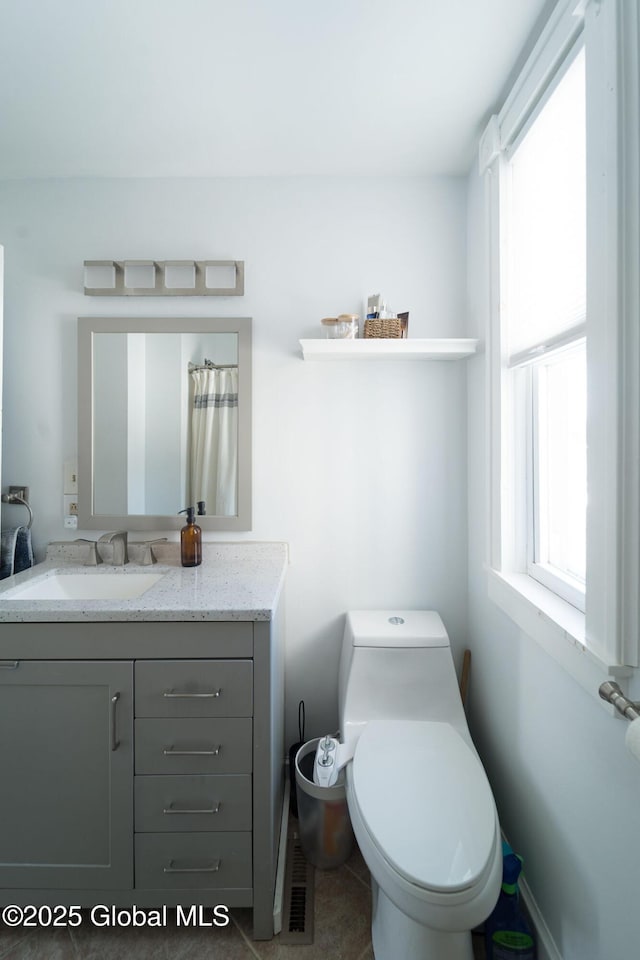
555 625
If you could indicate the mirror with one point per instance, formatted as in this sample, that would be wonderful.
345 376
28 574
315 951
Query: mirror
164 421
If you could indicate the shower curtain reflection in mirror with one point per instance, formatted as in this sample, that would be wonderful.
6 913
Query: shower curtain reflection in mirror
214 437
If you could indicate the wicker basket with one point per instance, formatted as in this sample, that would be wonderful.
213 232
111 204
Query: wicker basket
391 328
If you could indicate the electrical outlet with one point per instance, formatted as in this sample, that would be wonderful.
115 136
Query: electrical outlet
70 477
19 490
70 505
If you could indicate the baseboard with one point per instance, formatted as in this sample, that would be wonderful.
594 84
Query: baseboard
547 949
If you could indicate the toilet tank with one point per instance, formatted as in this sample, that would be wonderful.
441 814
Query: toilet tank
395 628
396 664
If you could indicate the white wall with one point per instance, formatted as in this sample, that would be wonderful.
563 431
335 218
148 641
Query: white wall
360 467
567 790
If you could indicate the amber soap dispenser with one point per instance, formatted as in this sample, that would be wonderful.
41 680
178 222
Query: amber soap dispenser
190 540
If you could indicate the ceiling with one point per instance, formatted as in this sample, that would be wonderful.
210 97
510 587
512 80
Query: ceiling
199 88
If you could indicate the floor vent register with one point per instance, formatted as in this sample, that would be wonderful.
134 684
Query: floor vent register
297 920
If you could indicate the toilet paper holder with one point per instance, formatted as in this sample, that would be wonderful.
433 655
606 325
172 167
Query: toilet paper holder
611 692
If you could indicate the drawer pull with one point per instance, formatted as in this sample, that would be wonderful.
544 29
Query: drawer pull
176 810
176 695
211 869
172 752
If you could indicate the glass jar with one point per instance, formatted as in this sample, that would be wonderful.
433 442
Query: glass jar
344 327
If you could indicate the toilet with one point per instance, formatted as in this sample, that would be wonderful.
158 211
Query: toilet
420 803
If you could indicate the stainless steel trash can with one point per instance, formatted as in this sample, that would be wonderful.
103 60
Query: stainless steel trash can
326 835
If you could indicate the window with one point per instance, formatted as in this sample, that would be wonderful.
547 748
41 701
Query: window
558 505
543 258
561 166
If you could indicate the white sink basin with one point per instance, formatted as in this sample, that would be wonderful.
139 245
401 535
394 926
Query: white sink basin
85 586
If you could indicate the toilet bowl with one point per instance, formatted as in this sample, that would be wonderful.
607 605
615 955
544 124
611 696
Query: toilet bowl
420 803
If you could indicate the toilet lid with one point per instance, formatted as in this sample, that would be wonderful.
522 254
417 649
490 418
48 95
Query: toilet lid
426 802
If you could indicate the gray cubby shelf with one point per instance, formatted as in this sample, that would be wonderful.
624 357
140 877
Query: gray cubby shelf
162 278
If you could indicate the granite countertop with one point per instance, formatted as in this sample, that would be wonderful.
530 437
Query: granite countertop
236 581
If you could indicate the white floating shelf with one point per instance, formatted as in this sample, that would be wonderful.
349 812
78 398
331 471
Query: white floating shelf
388 349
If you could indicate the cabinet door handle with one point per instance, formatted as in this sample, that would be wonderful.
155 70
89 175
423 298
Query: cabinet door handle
115 743
9 664
210 869
177 695
172 752
177 810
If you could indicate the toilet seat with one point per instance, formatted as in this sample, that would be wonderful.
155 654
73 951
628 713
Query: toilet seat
426 803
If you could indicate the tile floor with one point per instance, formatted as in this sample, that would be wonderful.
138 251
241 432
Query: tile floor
341 932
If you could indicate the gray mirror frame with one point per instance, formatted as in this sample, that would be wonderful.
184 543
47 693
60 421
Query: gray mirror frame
87 327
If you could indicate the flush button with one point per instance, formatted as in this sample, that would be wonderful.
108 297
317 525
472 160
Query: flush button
396 620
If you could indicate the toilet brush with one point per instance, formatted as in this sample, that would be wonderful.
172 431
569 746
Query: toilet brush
464 679
293 749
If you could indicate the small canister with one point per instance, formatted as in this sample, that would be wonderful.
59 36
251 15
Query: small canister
344 327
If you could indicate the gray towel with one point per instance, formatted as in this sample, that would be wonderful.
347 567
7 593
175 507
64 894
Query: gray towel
16 552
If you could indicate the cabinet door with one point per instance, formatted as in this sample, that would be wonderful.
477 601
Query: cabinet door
66 774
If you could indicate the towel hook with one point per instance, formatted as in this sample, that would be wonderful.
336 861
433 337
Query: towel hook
13 498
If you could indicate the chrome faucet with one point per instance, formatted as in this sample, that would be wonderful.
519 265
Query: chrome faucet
112 548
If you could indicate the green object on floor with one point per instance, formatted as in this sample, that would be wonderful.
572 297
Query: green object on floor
507 933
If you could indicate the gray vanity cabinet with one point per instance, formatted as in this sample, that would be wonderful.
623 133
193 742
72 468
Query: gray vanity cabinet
66 748
181 805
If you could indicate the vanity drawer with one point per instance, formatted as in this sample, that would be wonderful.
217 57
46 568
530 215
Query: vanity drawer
193 803
194 746
194 688
193 860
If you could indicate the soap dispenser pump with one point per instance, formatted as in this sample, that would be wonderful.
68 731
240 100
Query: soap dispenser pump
190 540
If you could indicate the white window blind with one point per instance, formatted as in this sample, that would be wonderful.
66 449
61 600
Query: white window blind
547 223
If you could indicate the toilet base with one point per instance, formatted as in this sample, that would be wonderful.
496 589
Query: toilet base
395 936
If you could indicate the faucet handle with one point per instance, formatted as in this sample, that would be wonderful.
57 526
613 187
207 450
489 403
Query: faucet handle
93 557
148 555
